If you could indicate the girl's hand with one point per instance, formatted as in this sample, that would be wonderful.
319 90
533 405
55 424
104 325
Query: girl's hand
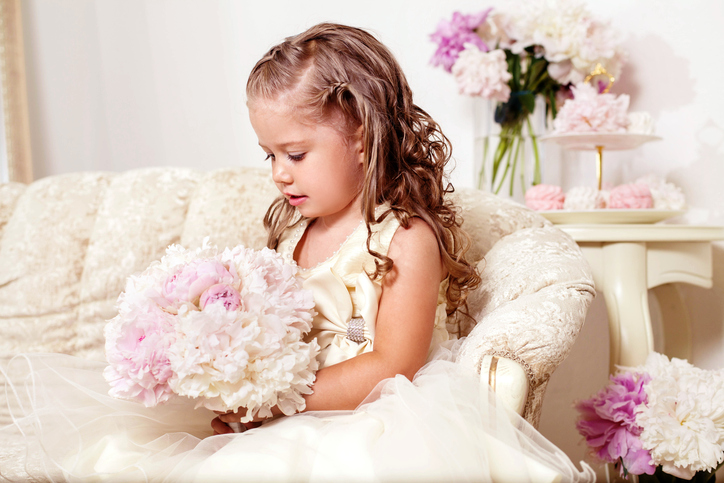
220 423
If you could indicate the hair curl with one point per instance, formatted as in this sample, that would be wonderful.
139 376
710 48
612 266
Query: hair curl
340 74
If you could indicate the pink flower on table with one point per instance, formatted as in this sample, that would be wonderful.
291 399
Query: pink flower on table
452 35
187 285
544 197
221 293
608 422
631 196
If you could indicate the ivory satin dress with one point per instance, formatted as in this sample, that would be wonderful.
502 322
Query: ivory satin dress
445 425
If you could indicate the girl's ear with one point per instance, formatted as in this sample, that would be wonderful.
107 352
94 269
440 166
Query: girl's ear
358 140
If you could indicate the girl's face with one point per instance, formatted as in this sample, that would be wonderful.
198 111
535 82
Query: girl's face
318 170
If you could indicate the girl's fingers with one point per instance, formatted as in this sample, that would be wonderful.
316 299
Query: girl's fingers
232 417
220 427
252 424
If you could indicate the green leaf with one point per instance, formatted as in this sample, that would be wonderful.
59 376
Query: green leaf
552 103
536 74
528 101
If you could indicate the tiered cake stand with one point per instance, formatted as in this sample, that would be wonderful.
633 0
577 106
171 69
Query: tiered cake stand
600 142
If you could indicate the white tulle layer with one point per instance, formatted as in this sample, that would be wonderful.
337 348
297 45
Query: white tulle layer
443 426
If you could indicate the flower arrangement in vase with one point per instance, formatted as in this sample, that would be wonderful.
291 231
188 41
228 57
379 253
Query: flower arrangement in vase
663 421
514 56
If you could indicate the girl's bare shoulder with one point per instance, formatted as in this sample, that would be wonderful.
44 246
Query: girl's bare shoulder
416 243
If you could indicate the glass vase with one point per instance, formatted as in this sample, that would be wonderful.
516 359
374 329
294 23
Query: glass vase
509 159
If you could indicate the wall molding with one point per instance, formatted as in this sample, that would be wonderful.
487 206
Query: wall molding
14 94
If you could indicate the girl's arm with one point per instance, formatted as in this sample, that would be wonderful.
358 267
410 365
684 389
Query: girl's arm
403 330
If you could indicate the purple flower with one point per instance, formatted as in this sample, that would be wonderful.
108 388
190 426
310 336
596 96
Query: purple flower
452 35
608 422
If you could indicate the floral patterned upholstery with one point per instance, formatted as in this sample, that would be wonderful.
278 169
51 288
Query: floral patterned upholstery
68 242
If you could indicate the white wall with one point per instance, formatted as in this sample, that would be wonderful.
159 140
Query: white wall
119 84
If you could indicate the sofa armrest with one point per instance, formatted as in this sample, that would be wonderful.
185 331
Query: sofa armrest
530 306
508 379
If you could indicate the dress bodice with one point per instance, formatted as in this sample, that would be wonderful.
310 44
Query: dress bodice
346 299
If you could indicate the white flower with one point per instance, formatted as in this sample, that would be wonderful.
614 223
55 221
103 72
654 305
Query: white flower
253 357
572 41
683 422
496 30
482 74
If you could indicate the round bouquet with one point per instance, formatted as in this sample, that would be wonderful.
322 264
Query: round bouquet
663 421
225 328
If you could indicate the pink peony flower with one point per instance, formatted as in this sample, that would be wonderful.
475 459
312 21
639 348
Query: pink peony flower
590 111
451 37
223 294
136 349
608 423
187 285
482 74
630 196
544 197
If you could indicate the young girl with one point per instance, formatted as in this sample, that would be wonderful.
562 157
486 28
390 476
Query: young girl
362 212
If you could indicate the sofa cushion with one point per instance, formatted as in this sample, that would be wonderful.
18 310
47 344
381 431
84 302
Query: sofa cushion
229 207
42 251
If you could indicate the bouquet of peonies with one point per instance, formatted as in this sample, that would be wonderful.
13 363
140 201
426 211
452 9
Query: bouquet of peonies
663 421
513 55
225 328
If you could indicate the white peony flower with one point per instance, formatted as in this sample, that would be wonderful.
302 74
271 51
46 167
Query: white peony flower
683 422
483 74
572 41
496 30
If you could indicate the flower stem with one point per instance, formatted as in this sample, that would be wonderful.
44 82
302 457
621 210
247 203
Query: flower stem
536 154
481 175
500 153
519 138
512 135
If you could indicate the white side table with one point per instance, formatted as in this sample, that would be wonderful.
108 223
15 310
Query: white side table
627 261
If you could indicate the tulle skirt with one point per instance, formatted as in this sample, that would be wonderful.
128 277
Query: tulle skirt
443 426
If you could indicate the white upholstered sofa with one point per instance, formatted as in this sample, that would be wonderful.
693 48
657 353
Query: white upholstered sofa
68 242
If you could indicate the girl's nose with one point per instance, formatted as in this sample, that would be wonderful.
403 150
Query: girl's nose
280 174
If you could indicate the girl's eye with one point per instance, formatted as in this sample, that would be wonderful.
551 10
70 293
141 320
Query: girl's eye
296 157
269 156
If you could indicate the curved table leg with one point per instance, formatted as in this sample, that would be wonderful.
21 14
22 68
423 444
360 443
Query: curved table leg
675 321
626 293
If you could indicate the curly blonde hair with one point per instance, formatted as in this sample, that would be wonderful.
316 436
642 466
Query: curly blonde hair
343 76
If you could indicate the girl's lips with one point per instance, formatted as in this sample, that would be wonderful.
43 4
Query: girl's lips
297 200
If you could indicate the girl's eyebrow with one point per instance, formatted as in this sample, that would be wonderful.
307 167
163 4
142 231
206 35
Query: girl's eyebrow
286 144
